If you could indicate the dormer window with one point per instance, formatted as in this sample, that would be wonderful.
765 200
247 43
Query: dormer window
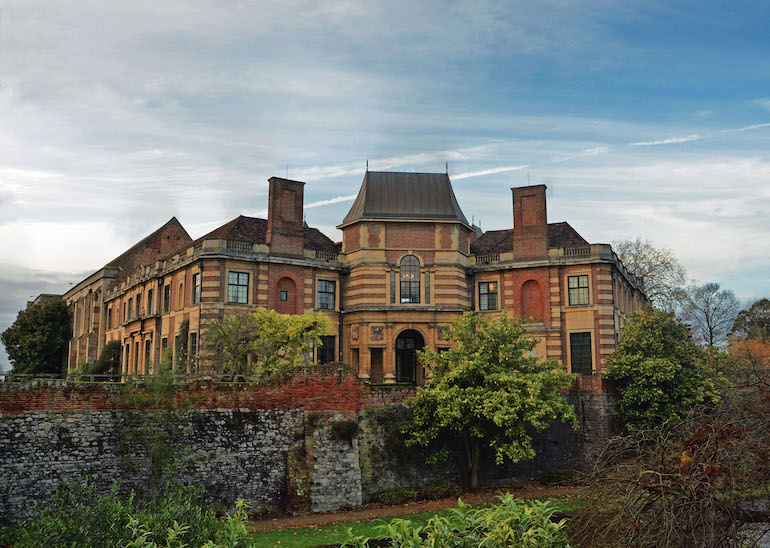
410 279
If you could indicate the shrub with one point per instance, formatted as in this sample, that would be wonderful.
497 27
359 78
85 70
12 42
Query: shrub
177 517
659 370
344 430
510 523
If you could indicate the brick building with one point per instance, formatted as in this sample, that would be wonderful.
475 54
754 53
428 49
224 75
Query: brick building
409 263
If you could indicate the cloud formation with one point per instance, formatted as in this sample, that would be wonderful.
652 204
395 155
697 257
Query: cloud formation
669 141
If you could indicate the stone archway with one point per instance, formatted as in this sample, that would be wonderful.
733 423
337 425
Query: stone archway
407 344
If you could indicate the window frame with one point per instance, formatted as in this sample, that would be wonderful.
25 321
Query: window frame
166 298
579 296
195 297
589 354
326 351
409 279
330 297
486 307
233 298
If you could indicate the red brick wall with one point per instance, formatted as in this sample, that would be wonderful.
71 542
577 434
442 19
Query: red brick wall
530 223
318 390
285 231
276 273
519 278
351 237
374 234
409 236
532 300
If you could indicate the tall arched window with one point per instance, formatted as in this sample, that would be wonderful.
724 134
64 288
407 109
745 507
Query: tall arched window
410 279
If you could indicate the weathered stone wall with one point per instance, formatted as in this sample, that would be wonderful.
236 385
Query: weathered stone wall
248 442
232 453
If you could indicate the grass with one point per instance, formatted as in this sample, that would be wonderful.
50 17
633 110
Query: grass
322 535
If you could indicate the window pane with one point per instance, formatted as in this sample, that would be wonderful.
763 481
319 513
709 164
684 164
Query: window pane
238 287
580 350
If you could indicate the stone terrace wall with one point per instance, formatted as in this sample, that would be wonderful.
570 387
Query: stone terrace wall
232 453
270 444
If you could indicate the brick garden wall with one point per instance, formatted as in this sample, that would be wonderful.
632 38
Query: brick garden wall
270 444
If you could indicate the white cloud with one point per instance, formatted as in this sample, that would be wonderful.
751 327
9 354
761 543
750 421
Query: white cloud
330 201
672 140
763 102
747 128
489 171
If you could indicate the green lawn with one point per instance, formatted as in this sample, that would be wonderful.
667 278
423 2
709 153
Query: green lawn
310 537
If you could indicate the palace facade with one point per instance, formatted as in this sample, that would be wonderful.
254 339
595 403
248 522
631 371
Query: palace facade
408 264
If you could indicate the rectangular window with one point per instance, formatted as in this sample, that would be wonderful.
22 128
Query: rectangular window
238 288
196 288
488 296
580 352
193 345
163 344
392 288
150 301
126 357
284 295
325 352
167 298
109 318
130 307
326 290
578 289
138 304
147 355
125 315
427 288
136 357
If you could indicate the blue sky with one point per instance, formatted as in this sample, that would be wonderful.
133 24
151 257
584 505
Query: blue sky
644 119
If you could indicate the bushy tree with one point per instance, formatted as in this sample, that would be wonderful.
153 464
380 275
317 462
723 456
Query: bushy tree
37 340
108 361
488 390
754 322
659 370
274 341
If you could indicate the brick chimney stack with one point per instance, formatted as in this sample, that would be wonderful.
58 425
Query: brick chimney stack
530 222
285 225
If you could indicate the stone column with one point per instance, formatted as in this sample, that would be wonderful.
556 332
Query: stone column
389 356
364 357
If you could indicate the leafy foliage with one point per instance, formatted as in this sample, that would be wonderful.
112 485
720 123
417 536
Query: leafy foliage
178 517
108 361
659 370
275 341
182 342
754 322
37 340
488 390
510 523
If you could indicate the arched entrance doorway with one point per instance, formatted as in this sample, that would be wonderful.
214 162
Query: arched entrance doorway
407 345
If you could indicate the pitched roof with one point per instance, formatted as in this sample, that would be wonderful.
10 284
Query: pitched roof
254 230
500 241
138 247
393 195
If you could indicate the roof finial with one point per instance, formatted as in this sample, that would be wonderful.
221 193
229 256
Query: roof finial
446 168
367 164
